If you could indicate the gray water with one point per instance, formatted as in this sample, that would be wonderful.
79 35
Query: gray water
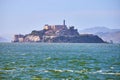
59 61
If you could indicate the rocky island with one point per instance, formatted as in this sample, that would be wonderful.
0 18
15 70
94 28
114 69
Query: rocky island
58 34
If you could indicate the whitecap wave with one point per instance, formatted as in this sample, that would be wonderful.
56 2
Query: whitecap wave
106 72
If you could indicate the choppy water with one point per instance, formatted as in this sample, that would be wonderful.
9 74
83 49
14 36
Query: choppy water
55 61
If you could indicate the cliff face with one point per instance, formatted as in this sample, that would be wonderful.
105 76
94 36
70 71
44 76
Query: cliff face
76 39
57 34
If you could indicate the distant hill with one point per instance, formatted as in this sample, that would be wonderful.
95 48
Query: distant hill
105 33
95 30
98 29
2 39
114 36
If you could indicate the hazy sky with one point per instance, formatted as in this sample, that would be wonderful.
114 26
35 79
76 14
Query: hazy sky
23 16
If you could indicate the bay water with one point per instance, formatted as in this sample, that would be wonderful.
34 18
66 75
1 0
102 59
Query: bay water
59 61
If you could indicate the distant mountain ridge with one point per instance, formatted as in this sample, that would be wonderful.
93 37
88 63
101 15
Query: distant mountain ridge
98 29
2 39
105 33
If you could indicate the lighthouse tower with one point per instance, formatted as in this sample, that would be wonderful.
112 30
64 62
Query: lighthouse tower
64 22
64 25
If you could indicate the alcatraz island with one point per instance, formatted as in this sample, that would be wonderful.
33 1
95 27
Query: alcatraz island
57 34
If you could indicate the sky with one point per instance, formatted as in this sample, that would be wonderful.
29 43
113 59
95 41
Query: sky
23 16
